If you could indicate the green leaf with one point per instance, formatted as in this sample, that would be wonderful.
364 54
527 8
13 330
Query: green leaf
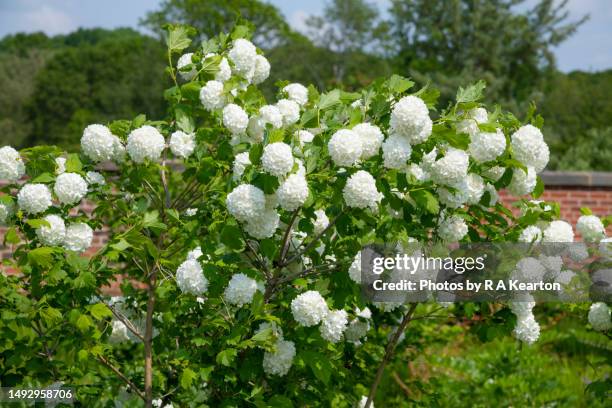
187 377
240 31
50 315
122 245
178 37
279 401
41 257
73 163
329 99
255 153
11 236
37 223
584 210
99 311
231 236
83 323
538 189
399 84
183 121
319 364
44 178
226 357
426 201
472 93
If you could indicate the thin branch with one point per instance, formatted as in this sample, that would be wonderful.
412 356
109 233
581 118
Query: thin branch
122 377
285 245
127 322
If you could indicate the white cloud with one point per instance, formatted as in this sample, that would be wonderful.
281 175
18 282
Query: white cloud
47 19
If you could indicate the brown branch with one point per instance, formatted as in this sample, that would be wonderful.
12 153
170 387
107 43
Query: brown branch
127 322
122 376
285 246
389 353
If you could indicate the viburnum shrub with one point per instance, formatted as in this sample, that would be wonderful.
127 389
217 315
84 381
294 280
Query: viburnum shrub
235 227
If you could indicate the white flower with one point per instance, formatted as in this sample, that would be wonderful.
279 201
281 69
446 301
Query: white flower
272 115
558 231
241 161
119 333
246 202
263 226
276 329
363 401
304 137
531 234
182 144
494 173
211 95
243 55
235 119
527 329
358 328
522 183
262 70
290 111
321 222
475 117
417 172
225 72
182 62
6 210
195 253
529 270
396 151
240 290
474 188
53 234
371 139
70 188
78 237
190 278
529 148
309 308
345 148
599 316
255 129
98 143
333 325
354 270
280 360
93 177
486 146
360 191
591 228
410 118
34 198
297 92
11 164
450 169
452 229
118 155
277 159
145 143
60 165
293 192
552 264
523 307
455 199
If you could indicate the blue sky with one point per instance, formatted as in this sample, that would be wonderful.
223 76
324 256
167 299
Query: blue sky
589 50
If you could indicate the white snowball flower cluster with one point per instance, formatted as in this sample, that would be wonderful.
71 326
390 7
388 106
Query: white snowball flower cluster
290 111
523 183
34 198
235 119
474 188
529 269
304 137
78 237
558 231
599 316
591 228
279 361
396 152
527 328
297 93
263 226
410 119
345 148
241 161
371 139
358 327
182 144
450 169
354 270
94 178
11 164
225 71
309 308
184 61
321 222
475 117
195 253
145 143
246 202
119 332
529 147
452 228
261 71
60 163
190 277
363 401
99 144
53 234
531 234
293 192
270 114
243 55
454 199
240 290
277 159
70 188
211 95
333 325
6 210
360 191
487 146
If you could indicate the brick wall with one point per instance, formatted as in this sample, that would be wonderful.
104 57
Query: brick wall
573 190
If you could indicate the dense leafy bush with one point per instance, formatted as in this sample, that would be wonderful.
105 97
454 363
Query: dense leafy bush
235 228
